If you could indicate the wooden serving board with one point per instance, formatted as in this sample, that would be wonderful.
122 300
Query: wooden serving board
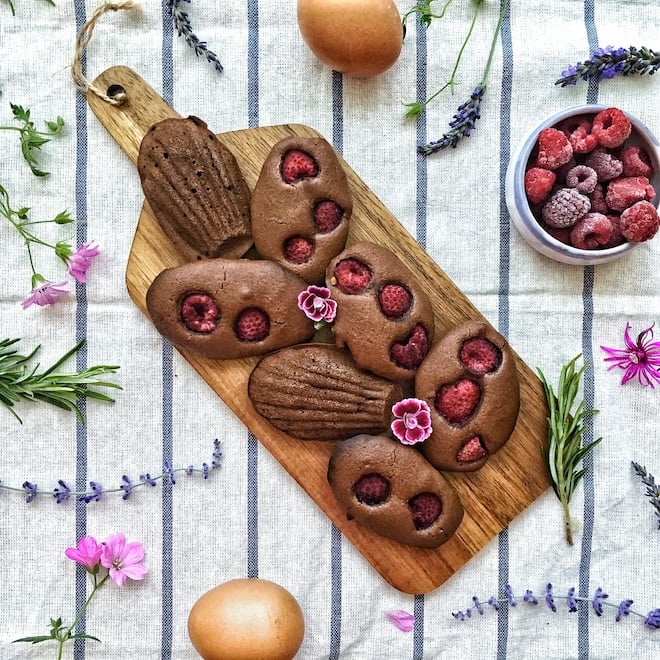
492 497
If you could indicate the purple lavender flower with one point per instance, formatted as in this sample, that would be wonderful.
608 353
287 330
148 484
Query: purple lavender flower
549 599
168 470
509 595
95 495
63 493
623 609
494 603
598 600
652 489
653 618
570 600
477 605
31 490
126 486
530 598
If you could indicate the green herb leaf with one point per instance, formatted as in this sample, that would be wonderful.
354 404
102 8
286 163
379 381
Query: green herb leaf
35 639
566 422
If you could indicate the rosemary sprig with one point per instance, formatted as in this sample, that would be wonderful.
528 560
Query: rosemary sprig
30 137
60 389
652 488
565 451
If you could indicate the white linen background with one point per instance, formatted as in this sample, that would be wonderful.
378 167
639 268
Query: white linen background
454 200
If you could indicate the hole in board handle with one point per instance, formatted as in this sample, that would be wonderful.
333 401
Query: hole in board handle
116 92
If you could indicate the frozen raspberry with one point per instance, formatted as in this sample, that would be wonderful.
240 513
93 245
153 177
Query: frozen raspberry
597 199
409 355
565 208
636 162
371 489
578 132
480 356
252 324
298 249
473 450
554 149
426 509
591 232
563 234
351 276
458 401
611 128
606 166
625 191
640 222
582 178
564 170
327 216
395 300
616 238
538 183
297 165
200 313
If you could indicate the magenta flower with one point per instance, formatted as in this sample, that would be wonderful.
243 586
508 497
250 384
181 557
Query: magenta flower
640 359
317 305
412 421
123 560
44 293
80 261
401 619
88 552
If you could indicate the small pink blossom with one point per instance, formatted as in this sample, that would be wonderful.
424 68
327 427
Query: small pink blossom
401 619
640 359
123 560
317 305
80 261
412 421
45 293
88 553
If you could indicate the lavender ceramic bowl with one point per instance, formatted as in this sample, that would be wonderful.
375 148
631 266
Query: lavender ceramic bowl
519 209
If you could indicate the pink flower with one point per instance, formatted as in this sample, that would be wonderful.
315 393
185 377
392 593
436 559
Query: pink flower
44 293
640 359
88 552
401 619
123 560
317 305
81 260
412 421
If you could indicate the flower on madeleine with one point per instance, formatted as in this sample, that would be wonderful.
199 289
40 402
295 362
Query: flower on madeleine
317 305
412 421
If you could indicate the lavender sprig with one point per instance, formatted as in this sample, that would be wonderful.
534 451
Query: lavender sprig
609 62
652 489
63 493
599 600
184 29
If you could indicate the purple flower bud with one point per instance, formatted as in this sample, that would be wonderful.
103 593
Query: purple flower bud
31 490
147 479
477 605
530 598
205 470
126 486
623 609
169 471
509 595
597 602
63 493
653 619
492 601
549 599
570 600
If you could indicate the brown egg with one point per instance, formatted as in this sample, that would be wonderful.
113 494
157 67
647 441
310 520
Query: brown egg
246 619
360 38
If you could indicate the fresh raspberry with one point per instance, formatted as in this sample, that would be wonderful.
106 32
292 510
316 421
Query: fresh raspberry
327 216
298 249
458 401
554 149
606 165
371 489
636 161
252 324
597 199
625 191
591 232
578 132
297 165
471 451
395 300
426 509
616 238
480 356
538 183
565 207
200 313
409 355
582 178
352 276
640 222
611 128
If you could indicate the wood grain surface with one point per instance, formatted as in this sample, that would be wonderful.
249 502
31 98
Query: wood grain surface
492 497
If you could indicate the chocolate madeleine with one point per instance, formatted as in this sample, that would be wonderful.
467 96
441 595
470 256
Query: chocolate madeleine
229 308
317 392
391 489
195 188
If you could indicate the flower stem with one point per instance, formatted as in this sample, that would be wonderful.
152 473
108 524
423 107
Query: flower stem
567 522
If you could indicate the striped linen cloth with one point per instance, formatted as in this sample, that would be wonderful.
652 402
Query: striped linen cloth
250 518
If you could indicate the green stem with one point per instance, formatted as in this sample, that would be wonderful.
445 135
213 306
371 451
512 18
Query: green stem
567 522
493 43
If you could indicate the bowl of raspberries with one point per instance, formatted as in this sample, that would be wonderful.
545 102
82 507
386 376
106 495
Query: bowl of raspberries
583 187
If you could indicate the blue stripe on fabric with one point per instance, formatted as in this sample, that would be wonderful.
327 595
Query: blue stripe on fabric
588 391
421 209
335 537
252 443
503 296
81 331
167 376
